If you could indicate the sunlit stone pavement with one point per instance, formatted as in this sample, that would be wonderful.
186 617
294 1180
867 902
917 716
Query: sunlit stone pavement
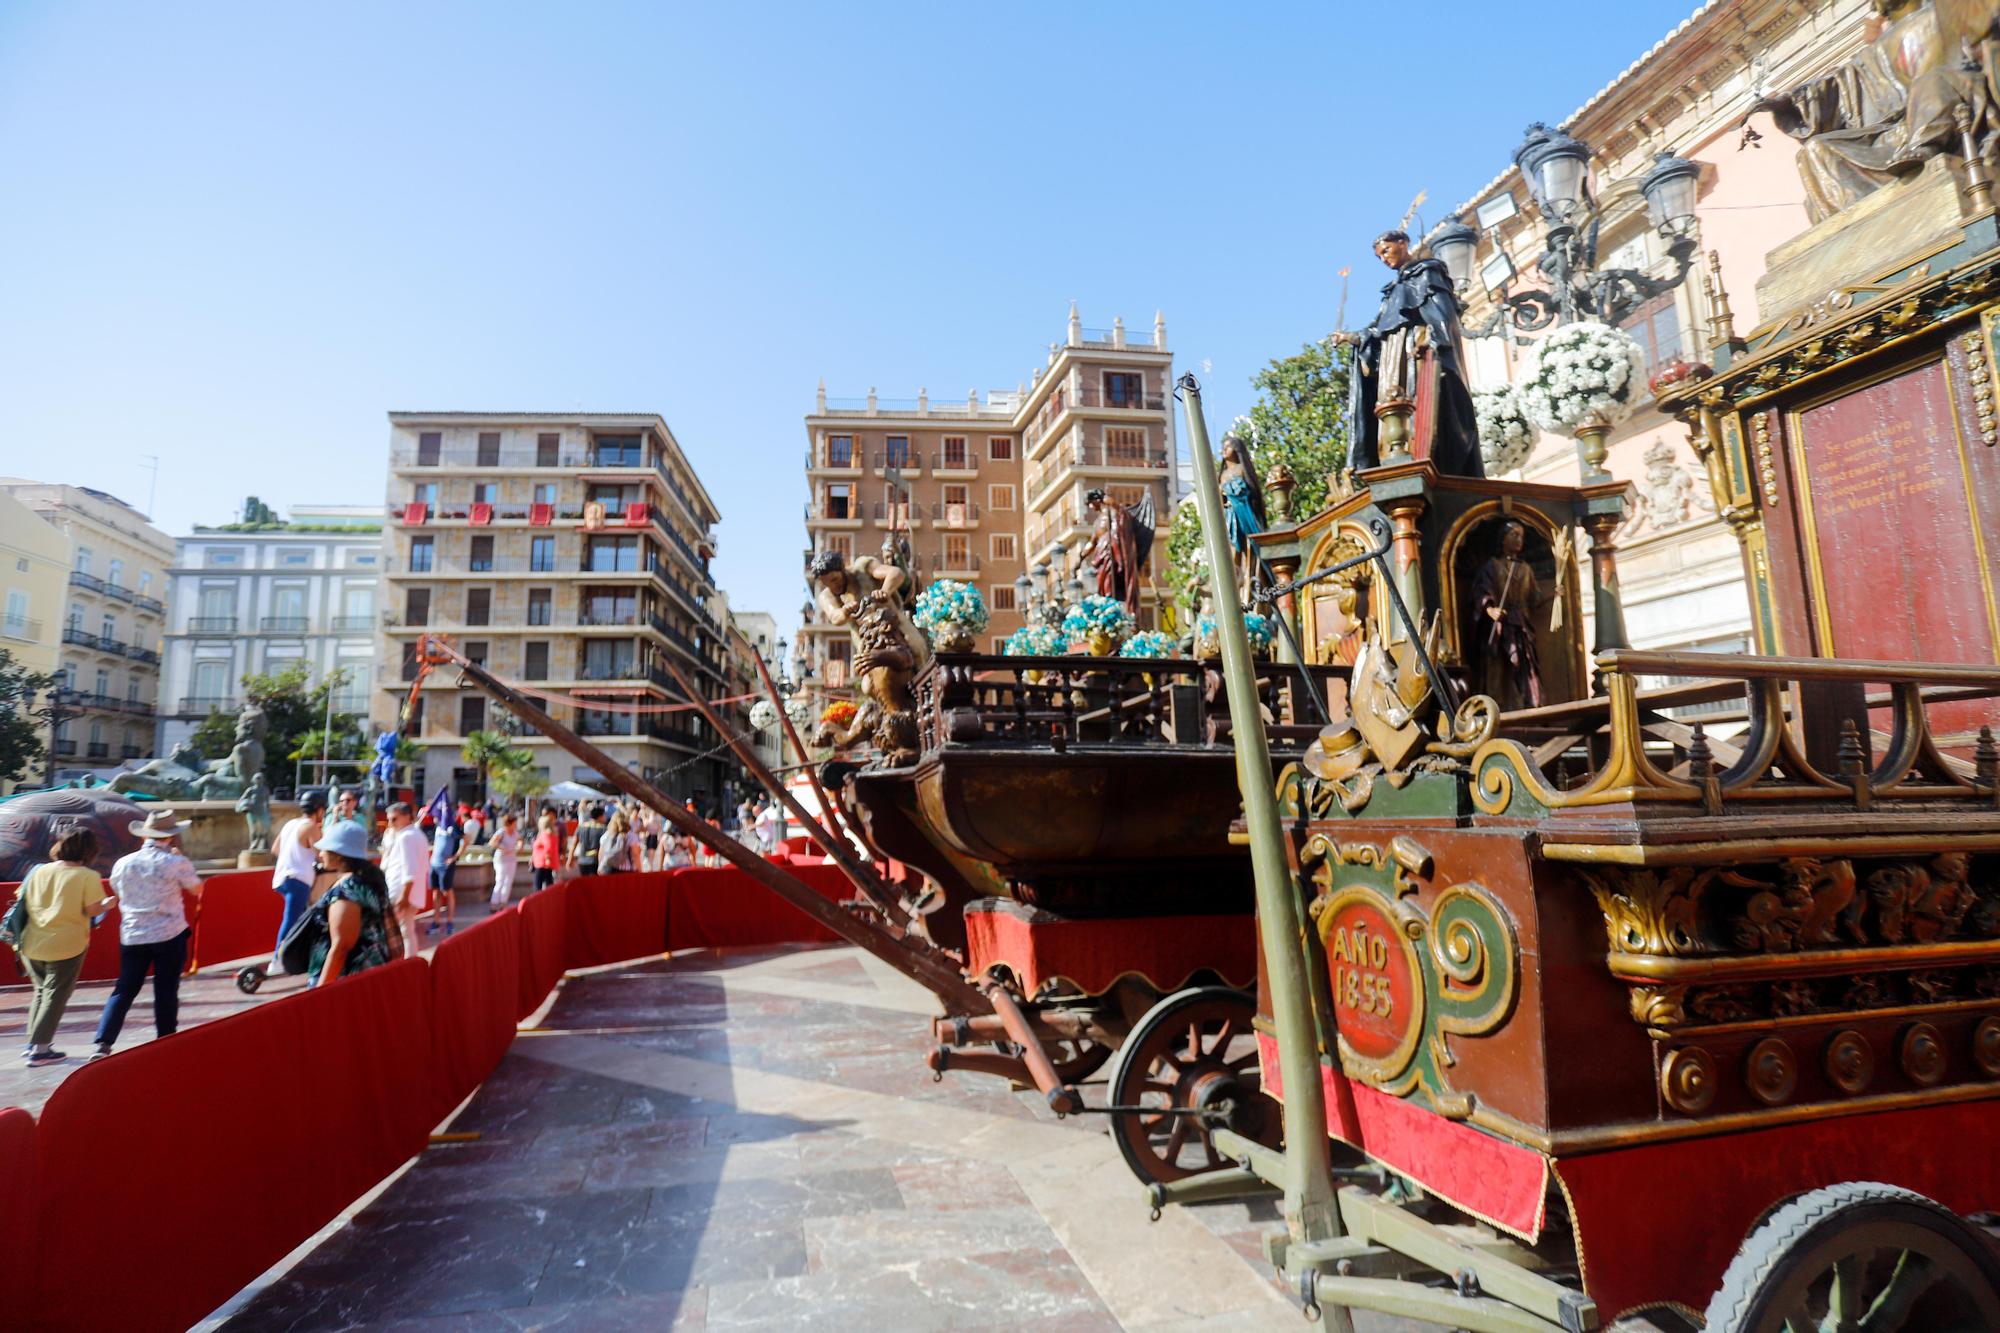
751 1141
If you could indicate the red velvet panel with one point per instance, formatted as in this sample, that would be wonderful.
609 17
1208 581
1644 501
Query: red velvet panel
18 1224
1094 954
1702 1196
612 918
475 990
1491 1178
248 1172
717 907
239 917
544 923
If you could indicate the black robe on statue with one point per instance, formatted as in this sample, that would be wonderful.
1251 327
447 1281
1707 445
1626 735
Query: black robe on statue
1420 295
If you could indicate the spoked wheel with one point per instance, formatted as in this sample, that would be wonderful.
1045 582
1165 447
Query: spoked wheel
1860 1258
1193 1050
1077 1058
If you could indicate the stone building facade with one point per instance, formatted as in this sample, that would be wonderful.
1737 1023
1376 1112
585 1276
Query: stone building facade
569 552
988 490
1680 567
34 582
112 621
255 599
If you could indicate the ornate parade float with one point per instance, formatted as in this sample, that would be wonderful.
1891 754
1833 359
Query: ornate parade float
1588 1001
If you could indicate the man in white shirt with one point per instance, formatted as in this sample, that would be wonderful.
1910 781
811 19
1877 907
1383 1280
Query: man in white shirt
292 877
406 865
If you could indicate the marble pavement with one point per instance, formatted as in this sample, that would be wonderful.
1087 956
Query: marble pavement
750 1142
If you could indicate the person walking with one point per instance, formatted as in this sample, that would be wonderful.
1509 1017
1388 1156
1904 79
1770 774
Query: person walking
614 850
358 916
63 895
450 845
292 877
406 865
153 929
506 851
584 847
546 854
767 826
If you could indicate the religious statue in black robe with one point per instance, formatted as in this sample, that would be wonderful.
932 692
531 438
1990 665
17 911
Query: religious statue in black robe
1504 598
1415 337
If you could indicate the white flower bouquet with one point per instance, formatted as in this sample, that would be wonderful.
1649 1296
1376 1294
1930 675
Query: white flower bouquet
763 715
1506 436
1035 641
1581 373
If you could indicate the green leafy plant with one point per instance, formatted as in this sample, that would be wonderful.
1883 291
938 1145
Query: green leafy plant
21 721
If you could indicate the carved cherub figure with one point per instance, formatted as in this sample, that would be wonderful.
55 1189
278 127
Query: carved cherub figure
1921 904
864 597
1810 899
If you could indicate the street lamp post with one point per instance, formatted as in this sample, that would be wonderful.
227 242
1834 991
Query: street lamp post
1555 166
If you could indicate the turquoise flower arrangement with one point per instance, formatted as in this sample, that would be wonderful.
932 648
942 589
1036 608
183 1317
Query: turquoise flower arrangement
1149 643
951 612
1101 622
1208 644
1035 641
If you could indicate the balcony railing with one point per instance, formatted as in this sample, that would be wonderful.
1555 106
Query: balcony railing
117 590
99 749
949 514
907 462
901 515
511 456
285 624
949 563
201 705
146 655
129 752
211 624
1115 455
965 462
152 605
83 639
834 460
20 627
79 579
65 749
618 670
830 513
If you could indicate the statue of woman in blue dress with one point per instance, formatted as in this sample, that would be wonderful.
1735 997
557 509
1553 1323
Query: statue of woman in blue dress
1242 508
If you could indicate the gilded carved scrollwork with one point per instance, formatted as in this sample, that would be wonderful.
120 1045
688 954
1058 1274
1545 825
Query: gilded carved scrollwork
1406 980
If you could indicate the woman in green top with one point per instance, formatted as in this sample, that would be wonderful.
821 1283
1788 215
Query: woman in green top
62 896
358 928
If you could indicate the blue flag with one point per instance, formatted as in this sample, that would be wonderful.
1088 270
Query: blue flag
439 810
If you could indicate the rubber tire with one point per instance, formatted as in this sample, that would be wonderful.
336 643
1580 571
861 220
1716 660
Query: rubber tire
1749 1281
249 979
1121 1072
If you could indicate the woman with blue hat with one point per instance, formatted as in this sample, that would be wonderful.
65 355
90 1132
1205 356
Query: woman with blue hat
358 927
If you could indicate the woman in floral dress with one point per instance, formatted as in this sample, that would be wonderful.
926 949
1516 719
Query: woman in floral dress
358 934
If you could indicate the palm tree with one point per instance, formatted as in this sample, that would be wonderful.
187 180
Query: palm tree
488 750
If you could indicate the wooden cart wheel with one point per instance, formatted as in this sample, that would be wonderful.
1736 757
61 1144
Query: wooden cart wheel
1193 1049
1077 1058
1860 1257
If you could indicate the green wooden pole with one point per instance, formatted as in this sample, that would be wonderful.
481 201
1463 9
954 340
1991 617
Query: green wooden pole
1310 1211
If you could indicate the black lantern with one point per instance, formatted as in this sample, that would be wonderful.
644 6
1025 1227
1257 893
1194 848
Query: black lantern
1456 245
1669 188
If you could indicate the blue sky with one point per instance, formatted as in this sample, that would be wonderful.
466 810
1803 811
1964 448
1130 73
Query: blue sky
237 234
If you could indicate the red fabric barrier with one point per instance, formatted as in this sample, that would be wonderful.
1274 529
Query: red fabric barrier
615 917
100 960
189 1124
1092 954
544 927
475 989
18 1225
239 917
710 907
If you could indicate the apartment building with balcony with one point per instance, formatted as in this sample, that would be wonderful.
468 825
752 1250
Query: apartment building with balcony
113 615
568 552
34 583
253 597
985 491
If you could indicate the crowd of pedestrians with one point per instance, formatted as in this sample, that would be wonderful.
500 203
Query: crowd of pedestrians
366 914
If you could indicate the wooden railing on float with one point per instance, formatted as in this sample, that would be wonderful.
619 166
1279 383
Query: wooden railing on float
1073 700
1626 745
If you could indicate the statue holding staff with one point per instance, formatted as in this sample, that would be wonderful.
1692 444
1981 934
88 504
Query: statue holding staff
1406 386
